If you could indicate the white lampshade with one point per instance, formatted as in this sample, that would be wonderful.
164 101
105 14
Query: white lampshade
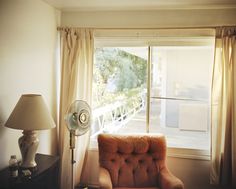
30 113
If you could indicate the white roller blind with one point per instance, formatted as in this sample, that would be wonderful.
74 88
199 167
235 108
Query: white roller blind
160 37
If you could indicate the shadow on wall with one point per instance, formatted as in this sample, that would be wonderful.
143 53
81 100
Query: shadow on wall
2 130
8 142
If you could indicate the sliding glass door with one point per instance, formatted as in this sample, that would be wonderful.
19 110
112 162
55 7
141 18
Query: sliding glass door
162 88
180 94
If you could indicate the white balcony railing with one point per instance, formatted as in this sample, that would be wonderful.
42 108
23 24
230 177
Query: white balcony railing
110 118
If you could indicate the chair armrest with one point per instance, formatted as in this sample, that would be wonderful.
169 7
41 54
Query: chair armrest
169 181
104 179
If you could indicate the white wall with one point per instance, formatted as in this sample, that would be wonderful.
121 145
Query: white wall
194 173
27 65
149 19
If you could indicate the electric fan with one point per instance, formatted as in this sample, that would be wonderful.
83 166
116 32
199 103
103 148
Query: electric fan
78 123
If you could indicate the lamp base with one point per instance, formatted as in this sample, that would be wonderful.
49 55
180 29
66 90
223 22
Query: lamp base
28 144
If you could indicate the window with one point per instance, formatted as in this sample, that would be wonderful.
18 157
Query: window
162 88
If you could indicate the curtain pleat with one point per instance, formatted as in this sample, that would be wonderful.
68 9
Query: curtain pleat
76 84
223 161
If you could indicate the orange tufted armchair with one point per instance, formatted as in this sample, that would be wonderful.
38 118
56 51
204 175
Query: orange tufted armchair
128 162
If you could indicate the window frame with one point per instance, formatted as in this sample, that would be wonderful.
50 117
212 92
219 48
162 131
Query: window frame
132 38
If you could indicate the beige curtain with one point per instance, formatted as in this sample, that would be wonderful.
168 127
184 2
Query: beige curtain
223 162
76 83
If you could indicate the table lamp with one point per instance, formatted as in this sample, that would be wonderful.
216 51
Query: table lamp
30 114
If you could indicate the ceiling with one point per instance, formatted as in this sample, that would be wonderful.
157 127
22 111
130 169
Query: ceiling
101 5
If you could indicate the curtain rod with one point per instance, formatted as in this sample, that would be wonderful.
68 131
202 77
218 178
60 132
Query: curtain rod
157 28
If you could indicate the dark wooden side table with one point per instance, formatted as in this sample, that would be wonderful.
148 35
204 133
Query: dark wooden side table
45 177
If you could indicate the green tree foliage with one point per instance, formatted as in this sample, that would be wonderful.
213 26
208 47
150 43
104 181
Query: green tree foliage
127 70
121 69
135 67
106 61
